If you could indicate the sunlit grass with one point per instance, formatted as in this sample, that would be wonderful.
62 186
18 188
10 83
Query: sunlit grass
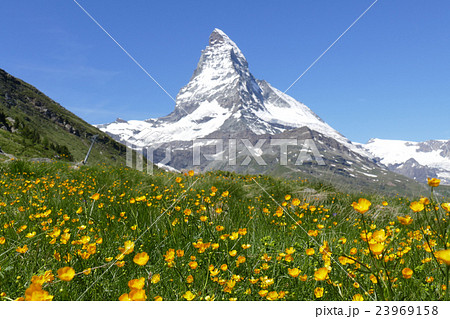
111 233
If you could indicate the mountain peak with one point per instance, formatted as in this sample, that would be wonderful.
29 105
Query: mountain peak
220 42
223 96
218 36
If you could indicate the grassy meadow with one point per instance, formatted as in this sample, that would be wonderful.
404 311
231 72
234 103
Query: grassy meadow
114 233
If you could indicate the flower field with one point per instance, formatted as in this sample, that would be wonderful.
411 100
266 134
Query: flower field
113 233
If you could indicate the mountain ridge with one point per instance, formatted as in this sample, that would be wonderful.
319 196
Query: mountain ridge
417 160
32 125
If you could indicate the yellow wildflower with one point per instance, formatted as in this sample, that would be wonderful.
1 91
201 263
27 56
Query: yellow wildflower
318 292
66 273
362 205
141 259
433 182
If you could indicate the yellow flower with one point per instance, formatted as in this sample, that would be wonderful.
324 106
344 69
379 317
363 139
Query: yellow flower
120 256
2 240
358 297
233 253
446 207
191 173
87 271
35 293
22 250
66 273
273 295
188 295
180 253
124 297
407 220
313 233
156 278
187 212
141 198
137 295
318 292
158 298
321 274
128 247
190 279
96 196
444 256
290 251
294 272
407 273
234 235
263 293
310 251
373 279
417 207
384 203
379 236
30 235
193 264
46 277
224 267
433 182
141 259
345 260
295 202
136 283
362 205
376 248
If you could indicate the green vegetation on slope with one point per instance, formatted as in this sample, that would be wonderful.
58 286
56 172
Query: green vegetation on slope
33 126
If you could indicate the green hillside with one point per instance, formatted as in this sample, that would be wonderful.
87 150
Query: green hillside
34 126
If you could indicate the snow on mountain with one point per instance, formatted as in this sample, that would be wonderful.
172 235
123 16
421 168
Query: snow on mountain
417 160
223 96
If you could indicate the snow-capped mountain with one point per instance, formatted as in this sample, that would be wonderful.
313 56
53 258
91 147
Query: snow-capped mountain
224 101
417 160
223 95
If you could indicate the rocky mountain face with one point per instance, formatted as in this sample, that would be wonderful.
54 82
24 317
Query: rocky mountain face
416 160
226 119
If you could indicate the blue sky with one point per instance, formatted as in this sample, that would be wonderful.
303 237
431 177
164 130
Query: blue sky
388 77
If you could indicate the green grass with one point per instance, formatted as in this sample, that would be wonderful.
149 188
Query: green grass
46 197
